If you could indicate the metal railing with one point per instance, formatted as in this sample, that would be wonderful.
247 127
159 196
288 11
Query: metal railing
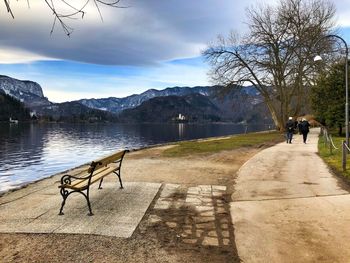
328 141
345 152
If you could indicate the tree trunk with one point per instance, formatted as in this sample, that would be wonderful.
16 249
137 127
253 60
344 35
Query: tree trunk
275 117
340 129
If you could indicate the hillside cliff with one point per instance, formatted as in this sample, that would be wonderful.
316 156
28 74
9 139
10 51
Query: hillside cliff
28 92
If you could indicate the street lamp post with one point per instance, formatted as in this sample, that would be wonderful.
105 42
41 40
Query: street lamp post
317 58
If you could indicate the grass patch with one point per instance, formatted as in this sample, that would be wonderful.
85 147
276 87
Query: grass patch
217 145
334 159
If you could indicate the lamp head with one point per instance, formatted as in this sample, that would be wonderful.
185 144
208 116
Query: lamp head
317 58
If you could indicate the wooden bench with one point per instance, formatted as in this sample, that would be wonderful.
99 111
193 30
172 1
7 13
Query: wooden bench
94 173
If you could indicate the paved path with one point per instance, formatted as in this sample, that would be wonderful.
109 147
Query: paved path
199 215
117 212
288 207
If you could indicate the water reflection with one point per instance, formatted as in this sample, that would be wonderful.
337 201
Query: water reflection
33 151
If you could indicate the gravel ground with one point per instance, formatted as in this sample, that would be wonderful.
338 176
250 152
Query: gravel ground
161 235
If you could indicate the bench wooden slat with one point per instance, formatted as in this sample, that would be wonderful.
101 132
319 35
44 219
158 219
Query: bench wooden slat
80 184
95 178
107 160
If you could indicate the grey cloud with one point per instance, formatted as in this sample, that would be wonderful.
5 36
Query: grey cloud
148 32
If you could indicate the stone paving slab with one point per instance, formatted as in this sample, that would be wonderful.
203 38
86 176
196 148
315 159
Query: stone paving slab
198 214
117 212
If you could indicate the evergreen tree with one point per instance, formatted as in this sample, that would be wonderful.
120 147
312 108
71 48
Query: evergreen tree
12 108
328 97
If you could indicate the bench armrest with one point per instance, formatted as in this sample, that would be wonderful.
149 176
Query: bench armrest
67 179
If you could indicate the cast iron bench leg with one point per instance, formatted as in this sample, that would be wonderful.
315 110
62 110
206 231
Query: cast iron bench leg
88 202
100 185
64 194
120 180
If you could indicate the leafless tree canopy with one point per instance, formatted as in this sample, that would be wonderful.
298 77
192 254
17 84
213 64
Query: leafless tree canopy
76 9
276 55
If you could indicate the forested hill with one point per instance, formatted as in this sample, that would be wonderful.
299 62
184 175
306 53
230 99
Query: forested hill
12 108
195 107
73 111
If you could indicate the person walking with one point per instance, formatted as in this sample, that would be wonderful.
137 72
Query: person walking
304 129
290 127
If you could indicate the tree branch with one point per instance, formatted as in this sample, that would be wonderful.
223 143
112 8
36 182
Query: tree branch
76 10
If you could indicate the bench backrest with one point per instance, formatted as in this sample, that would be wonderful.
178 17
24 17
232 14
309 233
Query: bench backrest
114 158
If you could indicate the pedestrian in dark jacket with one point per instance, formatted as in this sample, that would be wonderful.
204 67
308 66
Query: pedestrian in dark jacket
304 128
290 127
298 126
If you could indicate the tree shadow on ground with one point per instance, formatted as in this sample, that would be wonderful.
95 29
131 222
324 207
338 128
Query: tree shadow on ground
194 219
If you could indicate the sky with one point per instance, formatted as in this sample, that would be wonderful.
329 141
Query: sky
150 44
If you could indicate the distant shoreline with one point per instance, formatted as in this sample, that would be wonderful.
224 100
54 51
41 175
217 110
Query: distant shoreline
144 122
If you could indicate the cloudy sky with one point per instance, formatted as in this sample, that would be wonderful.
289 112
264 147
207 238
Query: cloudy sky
150 44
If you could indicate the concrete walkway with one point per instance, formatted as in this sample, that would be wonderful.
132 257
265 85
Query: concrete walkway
117 212
288 207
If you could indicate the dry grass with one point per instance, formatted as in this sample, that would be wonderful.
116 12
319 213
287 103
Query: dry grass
224 144
334 158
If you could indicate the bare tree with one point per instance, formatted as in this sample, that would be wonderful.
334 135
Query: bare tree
276 54
73 10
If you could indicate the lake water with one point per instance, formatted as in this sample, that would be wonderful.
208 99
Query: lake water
31 151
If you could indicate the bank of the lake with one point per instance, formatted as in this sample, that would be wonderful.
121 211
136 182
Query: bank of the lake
32 151
213 161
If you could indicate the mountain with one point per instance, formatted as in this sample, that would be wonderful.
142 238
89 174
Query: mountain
72 111
28 92
12 108
116 105
242 106
31 95
195 107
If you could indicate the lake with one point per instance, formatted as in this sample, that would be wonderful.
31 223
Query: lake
32 151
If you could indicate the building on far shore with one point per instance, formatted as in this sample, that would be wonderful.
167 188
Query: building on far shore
180 118
13 121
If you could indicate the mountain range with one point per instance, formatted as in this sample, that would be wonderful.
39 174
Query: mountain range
119 104
197 104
